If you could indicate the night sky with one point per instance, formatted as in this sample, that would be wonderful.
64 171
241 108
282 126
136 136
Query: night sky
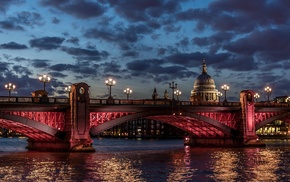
144 44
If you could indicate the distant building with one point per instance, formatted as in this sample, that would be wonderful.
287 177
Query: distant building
204 88
282 99
144 128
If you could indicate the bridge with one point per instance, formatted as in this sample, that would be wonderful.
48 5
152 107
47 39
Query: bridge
66 124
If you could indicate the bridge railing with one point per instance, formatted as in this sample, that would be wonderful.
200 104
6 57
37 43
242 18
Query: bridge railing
271 104
51 100
160 102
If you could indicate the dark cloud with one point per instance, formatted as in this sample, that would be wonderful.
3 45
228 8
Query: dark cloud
268 45
86 54
80 70
187 59
28 19
161 51
46 43
119 34
40 63
62 67
144 9
13 45
21 70
73 40
111 67
155 69
79 8
9 25
4 4
57 75
133 54
55 20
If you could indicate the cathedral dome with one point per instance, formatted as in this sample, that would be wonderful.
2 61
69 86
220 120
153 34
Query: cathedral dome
204 87
204 81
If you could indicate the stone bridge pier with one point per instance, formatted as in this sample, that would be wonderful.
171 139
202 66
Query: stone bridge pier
243 136
77 125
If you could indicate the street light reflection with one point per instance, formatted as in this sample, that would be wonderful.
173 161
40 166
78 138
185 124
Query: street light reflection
225 165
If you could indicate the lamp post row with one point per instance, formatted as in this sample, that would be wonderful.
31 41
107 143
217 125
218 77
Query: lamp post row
110 82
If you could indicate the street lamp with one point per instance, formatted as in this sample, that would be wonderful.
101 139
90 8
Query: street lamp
219 94
173 87
110 82
67 89
10 87
225 88
256 95
127 91
269 91
177 93
45 79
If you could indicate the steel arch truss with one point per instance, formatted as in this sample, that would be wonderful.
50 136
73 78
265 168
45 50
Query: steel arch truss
53 119
262 119
229 119
98 118
198 124
195 127
30 128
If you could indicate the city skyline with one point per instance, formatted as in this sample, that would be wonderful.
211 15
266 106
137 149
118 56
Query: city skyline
145 44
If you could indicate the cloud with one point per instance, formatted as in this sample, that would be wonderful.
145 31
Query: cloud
157 70
9 25
4 4
55 20
111 67
40 63
86 54
22 70
46 43
268 45
144 9
73 40
28 19
13 45
78 8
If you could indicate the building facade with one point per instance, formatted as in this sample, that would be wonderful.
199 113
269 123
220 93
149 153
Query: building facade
204 88
144 128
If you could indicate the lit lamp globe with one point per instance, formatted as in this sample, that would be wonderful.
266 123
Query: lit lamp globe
9 87
225 88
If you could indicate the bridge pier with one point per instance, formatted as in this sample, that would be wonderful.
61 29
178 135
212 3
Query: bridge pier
247 129
244 136
77 125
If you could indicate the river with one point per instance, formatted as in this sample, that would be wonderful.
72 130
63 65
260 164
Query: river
145 160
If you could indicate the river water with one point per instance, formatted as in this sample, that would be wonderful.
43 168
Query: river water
145 160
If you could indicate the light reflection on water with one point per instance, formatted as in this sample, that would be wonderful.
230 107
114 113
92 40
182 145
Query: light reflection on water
145 160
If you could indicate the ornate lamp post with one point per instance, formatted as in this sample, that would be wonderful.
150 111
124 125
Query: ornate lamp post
288 99
173 87
256 95
269 92
225 88
45 79
110 82
67 89
10 87
177 93
127 91
219 94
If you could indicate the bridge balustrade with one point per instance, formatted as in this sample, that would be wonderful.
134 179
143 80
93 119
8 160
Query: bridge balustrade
51 100
271 104
161 102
